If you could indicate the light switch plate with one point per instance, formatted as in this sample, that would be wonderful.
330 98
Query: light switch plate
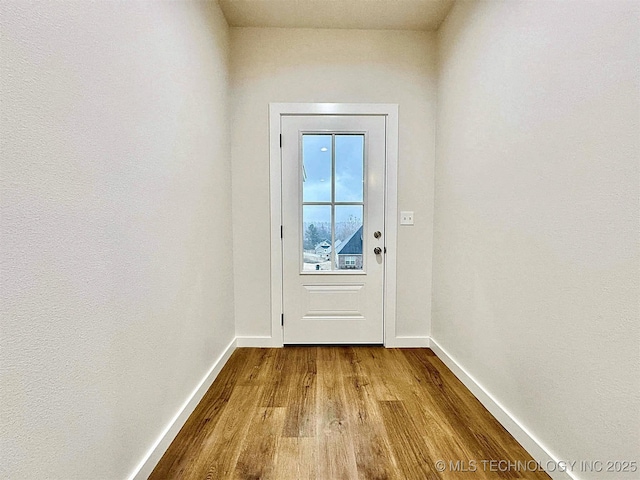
406 218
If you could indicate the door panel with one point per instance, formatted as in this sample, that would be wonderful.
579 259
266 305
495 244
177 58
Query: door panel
332 204
327 301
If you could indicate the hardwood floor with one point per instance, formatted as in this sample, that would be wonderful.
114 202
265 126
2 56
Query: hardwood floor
341 413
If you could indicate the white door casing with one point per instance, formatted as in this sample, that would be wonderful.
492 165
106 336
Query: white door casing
333 292
276 112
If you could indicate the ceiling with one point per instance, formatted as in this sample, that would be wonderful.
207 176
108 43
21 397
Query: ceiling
356 14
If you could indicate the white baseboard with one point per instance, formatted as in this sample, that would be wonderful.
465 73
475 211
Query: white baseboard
258 342
409 342
396 342
153 456
530 443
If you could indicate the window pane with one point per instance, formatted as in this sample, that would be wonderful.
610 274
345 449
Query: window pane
316 225
349 168
349 237
316 168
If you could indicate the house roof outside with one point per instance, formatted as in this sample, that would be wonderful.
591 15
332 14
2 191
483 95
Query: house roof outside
353 244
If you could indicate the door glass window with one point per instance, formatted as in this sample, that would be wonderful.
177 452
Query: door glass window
349 168
332 178
317 237
316 168
349 236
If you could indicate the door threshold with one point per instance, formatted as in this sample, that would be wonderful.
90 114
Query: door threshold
333 345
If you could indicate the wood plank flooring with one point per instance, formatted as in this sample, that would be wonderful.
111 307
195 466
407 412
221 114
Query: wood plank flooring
330 413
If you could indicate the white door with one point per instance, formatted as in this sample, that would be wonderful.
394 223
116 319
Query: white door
333 239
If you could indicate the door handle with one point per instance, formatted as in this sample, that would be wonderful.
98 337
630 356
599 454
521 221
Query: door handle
377 250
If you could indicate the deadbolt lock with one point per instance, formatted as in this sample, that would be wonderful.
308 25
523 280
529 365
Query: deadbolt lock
377 234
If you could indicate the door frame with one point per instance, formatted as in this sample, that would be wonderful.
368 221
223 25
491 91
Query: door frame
390 112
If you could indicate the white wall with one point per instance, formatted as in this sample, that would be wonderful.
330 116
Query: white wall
536 227
353 66
116 232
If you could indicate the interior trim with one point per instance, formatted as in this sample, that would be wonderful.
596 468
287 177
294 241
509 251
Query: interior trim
390 111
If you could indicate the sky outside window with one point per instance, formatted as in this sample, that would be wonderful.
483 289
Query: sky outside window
349 169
